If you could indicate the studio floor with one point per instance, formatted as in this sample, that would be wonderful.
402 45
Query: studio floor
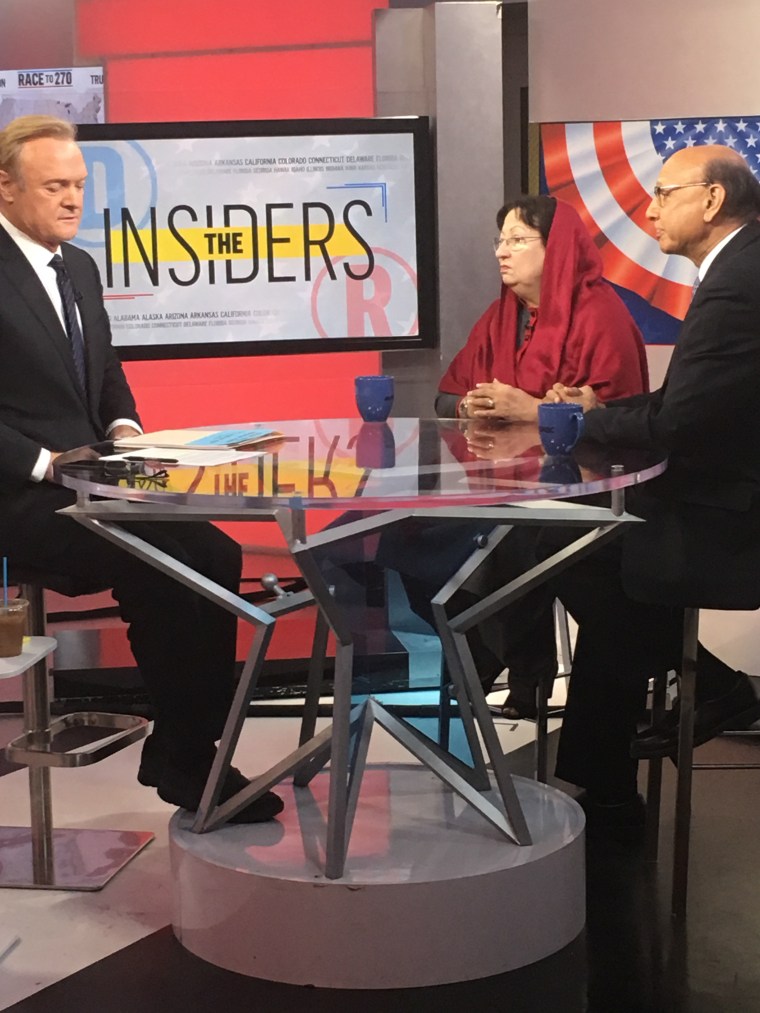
113 951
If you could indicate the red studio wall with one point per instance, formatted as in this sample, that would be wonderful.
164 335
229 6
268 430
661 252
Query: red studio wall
239 59
192 60
113 28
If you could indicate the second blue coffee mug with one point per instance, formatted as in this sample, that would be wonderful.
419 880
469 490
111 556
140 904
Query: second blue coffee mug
560 426
374 397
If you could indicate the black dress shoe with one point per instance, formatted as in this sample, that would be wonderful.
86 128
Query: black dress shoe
622 822
516 706
184 788
518 710
737 709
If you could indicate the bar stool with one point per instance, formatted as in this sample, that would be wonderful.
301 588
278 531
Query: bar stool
543 693
41 857
685 764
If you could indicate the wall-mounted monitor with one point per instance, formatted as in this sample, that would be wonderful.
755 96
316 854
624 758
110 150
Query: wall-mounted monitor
265 237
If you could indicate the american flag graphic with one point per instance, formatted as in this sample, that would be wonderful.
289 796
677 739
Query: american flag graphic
607 171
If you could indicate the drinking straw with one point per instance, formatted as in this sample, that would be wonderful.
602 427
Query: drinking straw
5 582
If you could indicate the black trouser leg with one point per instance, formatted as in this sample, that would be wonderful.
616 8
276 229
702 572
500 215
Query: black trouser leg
184 646
620 644
189 672
714 677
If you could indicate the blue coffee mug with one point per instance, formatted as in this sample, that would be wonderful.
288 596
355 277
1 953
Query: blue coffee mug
560 426
374 397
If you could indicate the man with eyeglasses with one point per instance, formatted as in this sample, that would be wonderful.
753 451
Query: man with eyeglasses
700 545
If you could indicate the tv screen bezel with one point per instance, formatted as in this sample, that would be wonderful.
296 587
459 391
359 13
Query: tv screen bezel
424 191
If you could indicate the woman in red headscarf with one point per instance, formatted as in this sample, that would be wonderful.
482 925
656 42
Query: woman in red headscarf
556 320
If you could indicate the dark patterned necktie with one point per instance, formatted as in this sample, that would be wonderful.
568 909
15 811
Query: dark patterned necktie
72 322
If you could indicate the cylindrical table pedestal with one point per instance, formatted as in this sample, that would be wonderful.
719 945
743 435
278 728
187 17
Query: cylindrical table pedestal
432 893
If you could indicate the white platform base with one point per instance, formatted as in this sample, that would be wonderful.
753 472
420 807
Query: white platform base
432 893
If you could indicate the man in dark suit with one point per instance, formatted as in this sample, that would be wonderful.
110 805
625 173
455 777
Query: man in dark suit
62 388
700 545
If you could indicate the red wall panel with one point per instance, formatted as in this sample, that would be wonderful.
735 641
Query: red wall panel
284 84
189 81
301 83
120 27
248 389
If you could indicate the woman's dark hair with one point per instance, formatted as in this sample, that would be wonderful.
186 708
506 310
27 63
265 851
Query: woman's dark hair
536 212
742 201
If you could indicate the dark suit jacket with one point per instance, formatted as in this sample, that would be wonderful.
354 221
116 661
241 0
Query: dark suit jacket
701 546
40 404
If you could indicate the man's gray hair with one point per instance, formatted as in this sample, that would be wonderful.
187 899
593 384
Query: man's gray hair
742 201
29 128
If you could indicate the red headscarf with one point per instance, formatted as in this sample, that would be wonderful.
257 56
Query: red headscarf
583 333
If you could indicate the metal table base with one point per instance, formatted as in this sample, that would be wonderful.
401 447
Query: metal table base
346 741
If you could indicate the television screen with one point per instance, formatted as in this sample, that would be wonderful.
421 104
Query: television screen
245 238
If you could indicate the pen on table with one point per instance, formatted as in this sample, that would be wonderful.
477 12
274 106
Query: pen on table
153 460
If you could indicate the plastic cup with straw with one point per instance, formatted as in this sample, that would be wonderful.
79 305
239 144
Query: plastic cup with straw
12 620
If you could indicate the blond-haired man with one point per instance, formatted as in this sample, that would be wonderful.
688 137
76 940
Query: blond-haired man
62 389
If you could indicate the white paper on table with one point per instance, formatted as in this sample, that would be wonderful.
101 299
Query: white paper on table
191 458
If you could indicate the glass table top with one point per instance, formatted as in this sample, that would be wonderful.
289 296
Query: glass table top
405 462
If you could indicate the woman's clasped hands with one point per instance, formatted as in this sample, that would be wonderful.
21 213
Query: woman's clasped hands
497 400
500 401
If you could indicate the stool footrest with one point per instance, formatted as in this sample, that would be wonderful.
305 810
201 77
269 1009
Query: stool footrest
35 749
